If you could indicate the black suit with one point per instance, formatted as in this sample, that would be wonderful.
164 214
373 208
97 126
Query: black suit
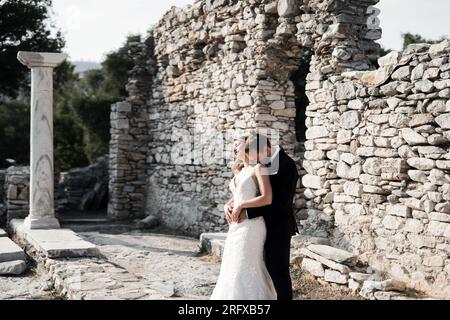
280 223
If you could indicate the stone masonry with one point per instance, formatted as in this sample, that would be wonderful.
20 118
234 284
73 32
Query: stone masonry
375 173
2 195
79 189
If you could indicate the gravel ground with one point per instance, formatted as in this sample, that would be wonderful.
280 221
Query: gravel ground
32 285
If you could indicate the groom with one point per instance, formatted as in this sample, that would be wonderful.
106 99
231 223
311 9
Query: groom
279 216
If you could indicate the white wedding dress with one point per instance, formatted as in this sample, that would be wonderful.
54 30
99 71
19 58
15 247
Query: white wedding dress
243 273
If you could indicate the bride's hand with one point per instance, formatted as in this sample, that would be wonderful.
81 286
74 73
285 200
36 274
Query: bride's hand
236 213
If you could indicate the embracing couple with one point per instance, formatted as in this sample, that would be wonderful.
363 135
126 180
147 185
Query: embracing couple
255 260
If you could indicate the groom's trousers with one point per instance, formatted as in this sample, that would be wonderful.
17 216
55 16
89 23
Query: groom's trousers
277 257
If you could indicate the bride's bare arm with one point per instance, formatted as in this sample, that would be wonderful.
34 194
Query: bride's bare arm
265 189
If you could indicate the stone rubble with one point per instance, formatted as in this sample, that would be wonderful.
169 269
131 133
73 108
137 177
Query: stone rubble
12 257
79 189
340 267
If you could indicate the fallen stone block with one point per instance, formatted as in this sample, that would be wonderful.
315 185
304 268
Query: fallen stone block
9 251
16 267
213 243
331 253
327 262
148 223
314 267
335 277
55 243
370 286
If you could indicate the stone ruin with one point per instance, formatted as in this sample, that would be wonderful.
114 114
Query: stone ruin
77 190
375 164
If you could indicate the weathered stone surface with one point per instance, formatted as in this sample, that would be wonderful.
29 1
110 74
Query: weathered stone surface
350 119
399 210
331 253
421 163
420 119
287 8
317 132
349 172
392 58
418 175
392 223
16 267
9 251
443 164
345 90
314 267
424 86
311 181
56 243
327 262
443 121
439 229
245 101
335 277
353 189
213 243
402 73
412 137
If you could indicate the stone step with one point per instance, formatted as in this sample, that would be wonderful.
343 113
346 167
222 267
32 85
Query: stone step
9 251
3 233
55 243
213 243
16 267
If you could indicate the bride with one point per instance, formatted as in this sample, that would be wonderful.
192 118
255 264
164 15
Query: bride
243 273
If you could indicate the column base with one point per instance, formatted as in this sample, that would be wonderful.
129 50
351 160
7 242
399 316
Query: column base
41 223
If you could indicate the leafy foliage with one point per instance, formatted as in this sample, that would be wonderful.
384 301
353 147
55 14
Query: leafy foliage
23 27
81 102
14 129
410 38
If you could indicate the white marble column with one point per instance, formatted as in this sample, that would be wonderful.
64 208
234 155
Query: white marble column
42 213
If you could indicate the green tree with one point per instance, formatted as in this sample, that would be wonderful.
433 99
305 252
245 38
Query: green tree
24 26
68 131
14 132
96 92
116 67
410 38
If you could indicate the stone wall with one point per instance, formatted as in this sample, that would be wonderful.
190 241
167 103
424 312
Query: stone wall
221 66
80 189
385 185
2 196
84 188
17 190
129 138
376 161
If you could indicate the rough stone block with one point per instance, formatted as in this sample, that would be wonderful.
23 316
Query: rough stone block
335 277
16 267
314 267
9 251
55 243
331 253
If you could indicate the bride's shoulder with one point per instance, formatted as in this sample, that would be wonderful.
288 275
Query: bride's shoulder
261 170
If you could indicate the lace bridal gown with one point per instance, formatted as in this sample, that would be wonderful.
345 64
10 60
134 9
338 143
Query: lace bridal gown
243 273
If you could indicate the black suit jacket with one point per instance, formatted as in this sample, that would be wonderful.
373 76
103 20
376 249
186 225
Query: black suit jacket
283 181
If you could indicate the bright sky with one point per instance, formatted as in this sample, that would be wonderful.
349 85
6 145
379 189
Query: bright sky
95 27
